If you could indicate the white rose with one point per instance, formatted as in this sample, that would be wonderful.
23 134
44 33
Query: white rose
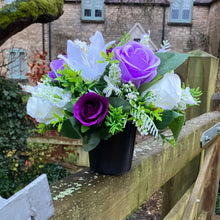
42 110
167 92
186 99
45 101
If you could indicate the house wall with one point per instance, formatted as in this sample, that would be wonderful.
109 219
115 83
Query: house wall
121 18
30 39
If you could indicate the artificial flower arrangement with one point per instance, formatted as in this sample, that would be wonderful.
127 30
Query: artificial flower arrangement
93 91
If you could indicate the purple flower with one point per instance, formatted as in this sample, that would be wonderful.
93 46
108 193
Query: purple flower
90 109
55 65
138 63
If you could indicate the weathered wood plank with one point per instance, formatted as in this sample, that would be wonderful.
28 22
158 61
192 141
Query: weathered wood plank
54 140
177 211
197 200
32 201
82 156
202 216
89 196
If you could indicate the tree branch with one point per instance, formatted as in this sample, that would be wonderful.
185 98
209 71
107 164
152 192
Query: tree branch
22 13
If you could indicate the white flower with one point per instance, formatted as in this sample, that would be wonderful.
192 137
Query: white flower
165 47
113 80
168 92
111 86
78 60
186 99
82 44
145 38
46 101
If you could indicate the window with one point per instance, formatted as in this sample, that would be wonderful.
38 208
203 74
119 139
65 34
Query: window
181 11
93 10
17 63
7 2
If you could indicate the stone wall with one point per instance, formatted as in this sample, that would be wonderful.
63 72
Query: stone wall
121 18
29 39
118 19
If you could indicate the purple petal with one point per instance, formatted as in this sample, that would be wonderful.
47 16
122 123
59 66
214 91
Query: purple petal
91 109
138 63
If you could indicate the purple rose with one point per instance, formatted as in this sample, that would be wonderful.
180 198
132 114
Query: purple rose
55 65
90 109
138 63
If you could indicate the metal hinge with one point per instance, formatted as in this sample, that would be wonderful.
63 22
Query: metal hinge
209 134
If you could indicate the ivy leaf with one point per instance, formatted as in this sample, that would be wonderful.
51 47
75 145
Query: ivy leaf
167 117
176 126
117 102
170 61
71 128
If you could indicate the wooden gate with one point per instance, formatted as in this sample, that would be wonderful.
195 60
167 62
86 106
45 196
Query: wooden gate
199 201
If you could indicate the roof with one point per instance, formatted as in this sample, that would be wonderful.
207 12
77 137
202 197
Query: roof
155 2
203 2
160 2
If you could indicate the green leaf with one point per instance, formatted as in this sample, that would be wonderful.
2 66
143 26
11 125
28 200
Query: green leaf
84 128
167 117
146 86
69 107
170 61
71 128
91 141
176 126
117 102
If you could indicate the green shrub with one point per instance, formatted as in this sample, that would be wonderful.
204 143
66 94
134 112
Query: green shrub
13 133
13 130
14 152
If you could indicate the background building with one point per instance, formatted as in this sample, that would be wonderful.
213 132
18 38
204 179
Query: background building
187 24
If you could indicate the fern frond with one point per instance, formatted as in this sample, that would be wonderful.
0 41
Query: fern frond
144 123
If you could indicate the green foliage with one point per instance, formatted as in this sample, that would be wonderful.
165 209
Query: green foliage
146 86
167 117
115 119
196 93
124 39
176 125
71 128
71 157
28 8
13 130
174 120
170 61
119 102
58 123
91 140
72 81
19 163
38 155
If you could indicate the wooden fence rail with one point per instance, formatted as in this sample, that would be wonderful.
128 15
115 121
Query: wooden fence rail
89 196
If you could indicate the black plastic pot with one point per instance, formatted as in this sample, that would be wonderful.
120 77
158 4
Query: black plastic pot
114 156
